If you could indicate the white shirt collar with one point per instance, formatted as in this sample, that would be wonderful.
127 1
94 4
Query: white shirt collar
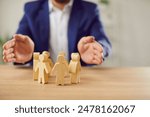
52 7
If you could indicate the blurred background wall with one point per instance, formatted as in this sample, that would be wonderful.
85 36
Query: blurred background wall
127 23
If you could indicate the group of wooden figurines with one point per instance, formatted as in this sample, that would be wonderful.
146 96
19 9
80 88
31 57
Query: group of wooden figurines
43 68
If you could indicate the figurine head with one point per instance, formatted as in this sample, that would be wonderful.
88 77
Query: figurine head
60 59
36 55
75 56
62 53
46 53
43 57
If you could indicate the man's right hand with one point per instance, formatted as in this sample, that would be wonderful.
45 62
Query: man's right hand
19 49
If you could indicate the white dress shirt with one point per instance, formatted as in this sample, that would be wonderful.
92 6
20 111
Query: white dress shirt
59 29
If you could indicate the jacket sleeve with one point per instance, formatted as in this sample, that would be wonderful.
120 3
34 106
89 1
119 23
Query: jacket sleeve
97 30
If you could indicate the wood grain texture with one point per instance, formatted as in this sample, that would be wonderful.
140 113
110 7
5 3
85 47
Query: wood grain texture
96 84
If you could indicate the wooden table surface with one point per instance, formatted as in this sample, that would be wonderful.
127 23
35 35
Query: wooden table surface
96 83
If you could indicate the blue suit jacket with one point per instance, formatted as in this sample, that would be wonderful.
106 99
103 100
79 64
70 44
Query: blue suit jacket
84 21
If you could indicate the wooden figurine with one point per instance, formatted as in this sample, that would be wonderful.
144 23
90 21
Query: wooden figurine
59 70
64 55
75 68
44 69
35 62
49 60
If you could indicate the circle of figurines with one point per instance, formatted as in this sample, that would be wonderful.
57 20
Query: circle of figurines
43 68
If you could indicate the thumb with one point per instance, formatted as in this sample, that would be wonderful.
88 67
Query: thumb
19 37
83 47
88 39
83 43
86 46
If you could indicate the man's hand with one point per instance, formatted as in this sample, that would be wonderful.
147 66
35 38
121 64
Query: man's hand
19 49
91 51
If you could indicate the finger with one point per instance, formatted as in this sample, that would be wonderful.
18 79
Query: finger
86 46
95 62
97 53
97 46
9 60
83 47
5 60
88 39
8 51
9 44
102 54
93 59
12 60
9 56
99 60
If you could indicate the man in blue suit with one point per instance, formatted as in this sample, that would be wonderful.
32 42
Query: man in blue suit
59 25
